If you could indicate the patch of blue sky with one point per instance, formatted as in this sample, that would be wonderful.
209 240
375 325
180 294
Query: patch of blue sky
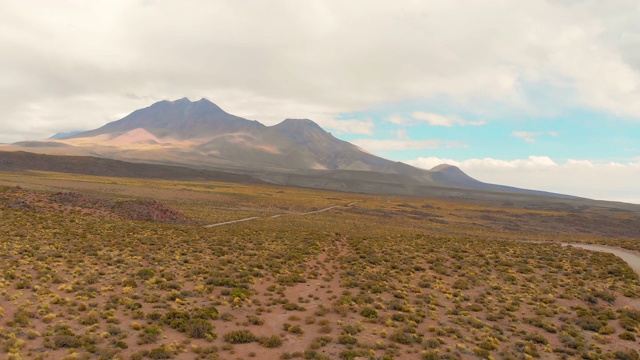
561 134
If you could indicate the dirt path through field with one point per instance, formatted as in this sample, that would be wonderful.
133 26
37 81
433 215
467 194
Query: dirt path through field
232 222
279 215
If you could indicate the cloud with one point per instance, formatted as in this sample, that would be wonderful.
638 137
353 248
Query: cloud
397 119
532 162
354 55
353 126
444 120
402 134
403 142
526 135
374 145
530 137
597 180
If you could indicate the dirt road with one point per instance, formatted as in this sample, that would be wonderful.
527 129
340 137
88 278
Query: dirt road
279 215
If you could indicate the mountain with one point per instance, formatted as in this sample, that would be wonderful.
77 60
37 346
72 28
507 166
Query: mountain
200 135
178 120
62 135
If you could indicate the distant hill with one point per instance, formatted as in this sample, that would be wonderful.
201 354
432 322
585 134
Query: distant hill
200 135
62 135
87 165
340 180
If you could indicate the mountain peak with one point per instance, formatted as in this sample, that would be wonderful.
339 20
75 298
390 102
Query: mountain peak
179 119
302 131
300 123
187 103
446 167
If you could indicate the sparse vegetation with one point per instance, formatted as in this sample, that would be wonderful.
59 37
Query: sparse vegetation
387 278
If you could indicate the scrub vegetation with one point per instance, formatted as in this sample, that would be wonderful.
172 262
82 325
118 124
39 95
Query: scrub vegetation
82 276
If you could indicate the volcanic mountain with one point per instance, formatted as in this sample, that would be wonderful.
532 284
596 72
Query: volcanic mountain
294 152
201 133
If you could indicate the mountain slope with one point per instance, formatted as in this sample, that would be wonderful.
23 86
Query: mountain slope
199 133
294 152
87 165
180 119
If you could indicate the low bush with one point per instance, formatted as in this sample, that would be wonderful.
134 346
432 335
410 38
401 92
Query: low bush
240 337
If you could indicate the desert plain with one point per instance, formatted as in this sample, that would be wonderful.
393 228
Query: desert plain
119 268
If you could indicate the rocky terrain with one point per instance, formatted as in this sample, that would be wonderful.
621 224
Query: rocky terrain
85 204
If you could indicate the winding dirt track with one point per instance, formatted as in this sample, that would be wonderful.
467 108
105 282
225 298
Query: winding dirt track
232 222
279 215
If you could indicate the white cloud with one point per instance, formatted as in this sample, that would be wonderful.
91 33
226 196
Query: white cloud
526 135
444 120
354 126
584 164
403 142
374 145
530 163
579 177
434 119
354 55
530 137
397 119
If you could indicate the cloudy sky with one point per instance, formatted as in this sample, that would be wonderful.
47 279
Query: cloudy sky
536 94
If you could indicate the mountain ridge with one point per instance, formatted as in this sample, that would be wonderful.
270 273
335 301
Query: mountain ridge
200 134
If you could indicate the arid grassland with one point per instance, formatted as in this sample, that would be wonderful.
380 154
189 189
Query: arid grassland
111 268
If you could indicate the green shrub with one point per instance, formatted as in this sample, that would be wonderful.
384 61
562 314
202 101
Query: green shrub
154 316
206 313
129 282
240 293
294 329
150 334
369 313
254 320
629 336
461 284
483 353
431 355
67 341
589 323
351 329
628 323
606 330
272 341
145 274
199 328
432 343
240 337
293 306
536 338
403 337
177 320
629 354
347 339
160 353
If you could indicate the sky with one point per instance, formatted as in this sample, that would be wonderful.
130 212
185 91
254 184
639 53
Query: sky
536 94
